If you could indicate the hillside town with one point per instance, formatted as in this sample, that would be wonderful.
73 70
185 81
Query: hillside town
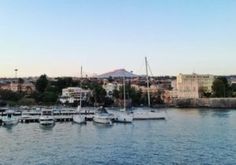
106 89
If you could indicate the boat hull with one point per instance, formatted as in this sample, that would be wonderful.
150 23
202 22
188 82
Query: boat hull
9 122
149 116
79 119
102 120
123 119
46 121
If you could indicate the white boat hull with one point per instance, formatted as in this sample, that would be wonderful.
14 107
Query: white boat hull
148 116
102 119
79 119
46 121
123 118
9 121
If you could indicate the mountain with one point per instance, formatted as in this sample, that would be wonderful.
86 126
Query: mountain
118 74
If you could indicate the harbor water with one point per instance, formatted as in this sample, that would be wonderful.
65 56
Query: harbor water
187 136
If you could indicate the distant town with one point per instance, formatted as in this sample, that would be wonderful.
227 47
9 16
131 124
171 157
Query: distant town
183 90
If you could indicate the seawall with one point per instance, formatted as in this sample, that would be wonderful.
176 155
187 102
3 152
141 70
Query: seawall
206 103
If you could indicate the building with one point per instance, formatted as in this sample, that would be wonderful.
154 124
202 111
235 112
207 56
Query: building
72 95
153 88
232 80
190 85
27 87
169 96
110 87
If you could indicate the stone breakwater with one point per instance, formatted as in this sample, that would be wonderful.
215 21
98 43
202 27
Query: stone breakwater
207 103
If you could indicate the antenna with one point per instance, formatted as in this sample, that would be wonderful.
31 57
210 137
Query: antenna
81 75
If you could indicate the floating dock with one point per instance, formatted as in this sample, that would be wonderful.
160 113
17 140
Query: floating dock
67 115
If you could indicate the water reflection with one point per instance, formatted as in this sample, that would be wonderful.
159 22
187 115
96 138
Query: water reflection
221 113
189 136
46 127
9 128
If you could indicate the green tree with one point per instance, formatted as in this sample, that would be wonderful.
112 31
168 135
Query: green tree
42 83
116 94
20 83
64 83
204 93
233 87
50 97
99 94
8 95
221 87
27 101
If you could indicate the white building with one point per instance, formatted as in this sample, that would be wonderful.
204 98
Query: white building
189 85
232 80
72 94
110 87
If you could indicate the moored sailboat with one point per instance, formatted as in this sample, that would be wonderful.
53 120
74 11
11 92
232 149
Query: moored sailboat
78 118
123 116
103 117
151 114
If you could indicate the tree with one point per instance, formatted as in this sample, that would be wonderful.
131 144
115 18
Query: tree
64 83
204 93
233 87
99 94
221 87
20 83
116 93
42 83
8 95
50 97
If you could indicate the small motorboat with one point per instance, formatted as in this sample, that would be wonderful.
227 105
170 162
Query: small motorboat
47 118
9 119
103 117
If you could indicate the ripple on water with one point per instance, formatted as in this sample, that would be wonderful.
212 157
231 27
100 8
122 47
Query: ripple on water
187 137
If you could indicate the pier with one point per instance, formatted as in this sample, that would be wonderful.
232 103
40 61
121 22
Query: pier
67 115
64 118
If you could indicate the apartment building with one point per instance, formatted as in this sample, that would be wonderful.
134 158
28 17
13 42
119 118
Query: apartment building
190 85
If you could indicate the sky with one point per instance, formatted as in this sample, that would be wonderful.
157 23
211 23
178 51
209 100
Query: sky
57 37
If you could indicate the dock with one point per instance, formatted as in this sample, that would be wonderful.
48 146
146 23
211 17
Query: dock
67 115
64 118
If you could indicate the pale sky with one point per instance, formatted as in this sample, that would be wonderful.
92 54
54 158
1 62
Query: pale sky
56 37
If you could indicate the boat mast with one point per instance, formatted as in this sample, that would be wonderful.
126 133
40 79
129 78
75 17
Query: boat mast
124 93
147 77
81 75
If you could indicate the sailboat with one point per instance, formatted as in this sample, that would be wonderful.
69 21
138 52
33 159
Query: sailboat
123 116
103 117
78 118
152 114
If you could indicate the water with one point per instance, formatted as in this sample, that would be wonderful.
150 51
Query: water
187 137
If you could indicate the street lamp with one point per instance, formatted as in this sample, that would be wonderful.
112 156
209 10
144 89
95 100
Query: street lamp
16 70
